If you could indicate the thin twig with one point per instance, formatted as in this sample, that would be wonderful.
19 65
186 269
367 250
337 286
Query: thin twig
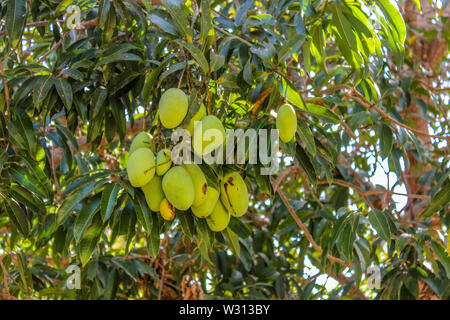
306 231
369 105
5 274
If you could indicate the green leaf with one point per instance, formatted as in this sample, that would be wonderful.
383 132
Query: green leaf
63 5
175 9
386 140
233 241
380 221
197 54
66 134
441 255
292 45
143 213
25 274
174 68
153 239
187 224
338 227
306 136
15 19
85 216
18 216
119 57
28 198
322 113
41 89
65 92
72 201
205 24
90 239
305 163
291 94
439 201
163 24
395 18
109 199
37 175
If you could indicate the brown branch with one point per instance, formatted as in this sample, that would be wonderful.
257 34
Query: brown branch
5 274
306 231
369 105
348 185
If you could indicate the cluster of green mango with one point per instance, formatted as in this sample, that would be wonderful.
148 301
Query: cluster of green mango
169 187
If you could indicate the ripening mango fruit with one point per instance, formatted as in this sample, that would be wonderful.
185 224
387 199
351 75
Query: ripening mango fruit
141 140
209 135
141 167
163 161
201 112
219 218
167 210
173 107
199 181
178 188
286 122
234 194
153 193
205 209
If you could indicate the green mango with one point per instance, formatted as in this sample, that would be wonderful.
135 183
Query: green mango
205 209
199 180
234 194
153 193
141 167
173 108
286 122
204 144
141 140
197 117
178 188
219 218
163 161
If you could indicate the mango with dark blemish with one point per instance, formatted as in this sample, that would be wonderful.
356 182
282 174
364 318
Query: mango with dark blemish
234 194
206 208
199 181
167 210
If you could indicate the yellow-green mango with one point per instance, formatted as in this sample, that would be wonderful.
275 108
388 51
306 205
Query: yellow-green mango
234 194
154 193
141 140
173 107
286 122
167 210
202 143
219 218
201 112
178 188
141 167
163 161
205 209
199 181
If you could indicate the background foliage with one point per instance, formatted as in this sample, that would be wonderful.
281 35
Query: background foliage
369 82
